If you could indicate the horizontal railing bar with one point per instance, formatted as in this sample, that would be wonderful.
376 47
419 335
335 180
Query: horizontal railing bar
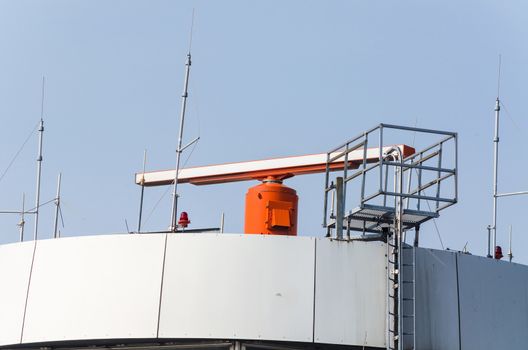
436 144
361 171
348 150
372 196
16 212
508 194
423 167
425 198
424 159
431 183
447 205
363 134
410 128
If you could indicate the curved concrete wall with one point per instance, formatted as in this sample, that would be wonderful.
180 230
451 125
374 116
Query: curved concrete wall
216 286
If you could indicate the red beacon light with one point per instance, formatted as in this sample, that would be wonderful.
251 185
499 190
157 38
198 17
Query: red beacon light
184 219
498 252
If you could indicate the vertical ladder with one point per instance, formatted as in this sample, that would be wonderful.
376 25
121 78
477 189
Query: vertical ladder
401 277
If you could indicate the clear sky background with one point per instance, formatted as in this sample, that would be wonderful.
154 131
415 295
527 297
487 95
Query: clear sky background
269 79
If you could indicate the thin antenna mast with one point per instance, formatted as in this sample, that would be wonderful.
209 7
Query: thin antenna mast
174 225
495 167
57 206
39 161
142 190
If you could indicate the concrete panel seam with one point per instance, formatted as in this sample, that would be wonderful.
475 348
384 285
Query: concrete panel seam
314 289
161 285
458 304
27 291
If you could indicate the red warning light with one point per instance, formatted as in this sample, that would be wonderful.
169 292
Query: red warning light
184 219
498 252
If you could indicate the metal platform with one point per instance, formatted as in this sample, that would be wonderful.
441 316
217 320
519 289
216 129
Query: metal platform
375 219
426 169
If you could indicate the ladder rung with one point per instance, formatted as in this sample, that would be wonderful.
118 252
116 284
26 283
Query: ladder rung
408 316
407 333
408 299
407 281
407 264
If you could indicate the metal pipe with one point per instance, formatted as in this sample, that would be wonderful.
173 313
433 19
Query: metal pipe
489 242
510 254
508 194
39 171
495 174
410 128
327 179
416 236
16 212
332 202
22 221
142 191
398 239
222 219
57 206
381 159
339 208
174 224
422 167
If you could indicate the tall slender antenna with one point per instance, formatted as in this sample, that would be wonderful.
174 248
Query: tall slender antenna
57 206
39 161
499 76
191 33
174 225
142 190
493 230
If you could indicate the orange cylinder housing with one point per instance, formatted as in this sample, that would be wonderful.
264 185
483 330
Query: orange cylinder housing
271 209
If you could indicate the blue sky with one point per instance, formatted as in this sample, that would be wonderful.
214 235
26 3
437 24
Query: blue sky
269 79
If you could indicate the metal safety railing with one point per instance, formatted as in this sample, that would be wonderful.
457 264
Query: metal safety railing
424 171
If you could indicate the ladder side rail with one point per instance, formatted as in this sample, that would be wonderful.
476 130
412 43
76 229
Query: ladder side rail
414 294
409 184
386 184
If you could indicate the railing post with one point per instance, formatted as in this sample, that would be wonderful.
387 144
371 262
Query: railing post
339 208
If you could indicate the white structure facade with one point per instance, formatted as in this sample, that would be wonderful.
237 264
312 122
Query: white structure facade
294 292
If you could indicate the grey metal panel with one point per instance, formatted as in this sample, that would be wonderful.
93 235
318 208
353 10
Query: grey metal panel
493 304
95 287
436 300
238 286
15 266
350 293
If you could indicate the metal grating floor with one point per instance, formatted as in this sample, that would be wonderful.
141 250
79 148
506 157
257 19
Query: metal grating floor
373 218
